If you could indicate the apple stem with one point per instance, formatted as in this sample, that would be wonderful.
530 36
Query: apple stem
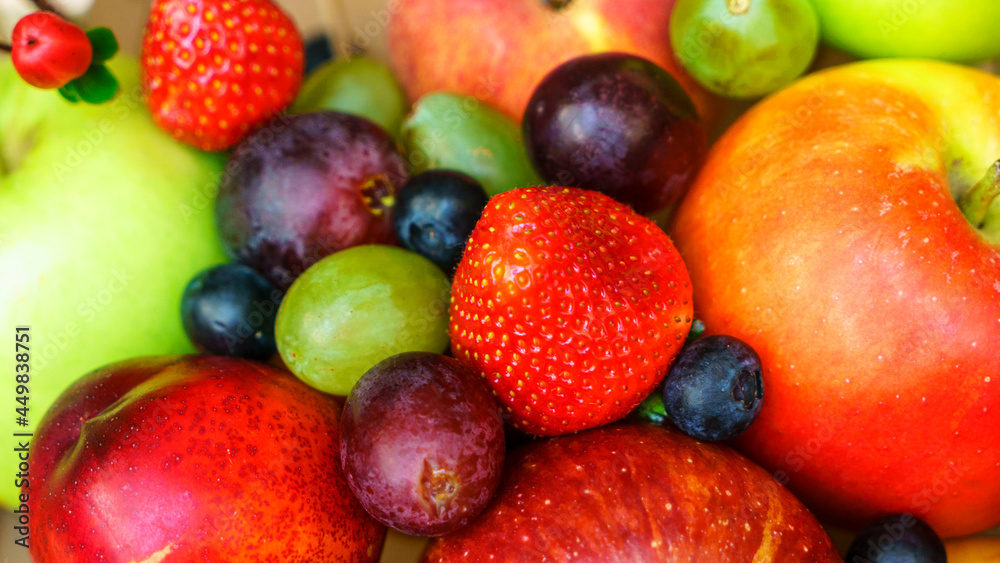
981 205
5 47
737 7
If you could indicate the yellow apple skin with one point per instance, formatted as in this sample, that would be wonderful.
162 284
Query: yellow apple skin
824 232
498 50
973 550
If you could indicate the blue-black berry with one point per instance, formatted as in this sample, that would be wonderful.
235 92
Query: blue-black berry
435 213
230 310
714 389
898 538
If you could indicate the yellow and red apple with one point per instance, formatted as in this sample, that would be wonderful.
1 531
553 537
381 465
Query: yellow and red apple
824 231
636 493
498 50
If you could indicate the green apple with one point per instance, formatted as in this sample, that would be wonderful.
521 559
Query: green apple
955 30
103 220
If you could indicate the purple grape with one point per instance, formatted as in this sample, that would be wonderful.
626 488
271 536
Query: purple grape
616 124
422 443
306 186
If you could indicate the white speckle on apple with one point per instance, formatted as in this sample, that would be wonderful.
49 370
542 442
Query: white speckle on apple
986 379
669 506
747 526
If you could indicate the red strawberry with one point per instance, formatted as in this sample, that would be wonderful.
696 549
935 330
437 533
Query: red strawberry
215 70
570 304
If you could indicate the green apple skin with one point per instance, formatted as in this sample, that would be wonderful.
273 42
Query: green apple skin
953 30
103 221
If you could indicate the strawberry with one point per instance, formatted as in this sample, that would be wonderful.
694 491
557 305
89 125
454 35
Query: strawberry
215 70
570 305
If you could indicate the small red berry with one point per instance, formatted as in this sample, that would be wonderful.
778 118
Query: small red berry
48 51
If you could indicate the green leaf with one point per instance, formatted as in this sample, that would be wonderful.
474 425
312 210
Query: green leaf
69 93
97 85
104 43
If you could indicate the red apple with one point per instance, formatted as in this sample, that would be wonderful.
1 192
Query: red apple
636 493
823 231
498 50
193 459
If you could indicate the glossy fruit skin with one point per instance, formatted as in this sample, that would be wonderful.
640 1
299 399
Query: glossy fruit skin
360 86
304 187
229 310
834 287
952 30
435 214
422 443
570 304
897 538
193 459
617 124
100 275
49 51
213 71
744 50
714 389
497 51
358 307
462 133
626 493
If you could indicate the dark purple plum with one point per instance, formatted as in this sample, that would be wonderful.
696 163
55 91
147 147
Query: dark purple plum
305 186
422 443
617 124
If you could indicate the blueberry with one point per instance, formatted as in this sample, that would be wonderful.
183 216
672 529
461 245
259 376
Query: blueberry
435 213
898 538
317 52
714 389
230 310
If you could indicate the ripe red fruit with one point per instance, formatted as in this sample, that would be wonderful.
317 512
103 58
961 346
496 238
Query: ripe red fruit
215 70
570 304
48 51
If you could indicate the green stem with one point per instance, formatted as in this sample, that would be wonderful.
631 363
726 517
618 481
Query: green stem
981 205
737 7
557 4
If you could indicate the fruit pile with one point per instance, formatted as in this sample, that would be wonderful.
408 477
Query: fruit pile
554 295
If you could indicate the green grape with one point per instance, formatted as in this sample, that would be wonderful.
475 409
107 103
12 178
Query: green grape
744 48
357 307
359 86
461 133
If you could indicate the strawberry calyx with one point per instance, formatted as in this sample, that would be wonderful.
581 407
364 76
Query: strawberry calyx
97 85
